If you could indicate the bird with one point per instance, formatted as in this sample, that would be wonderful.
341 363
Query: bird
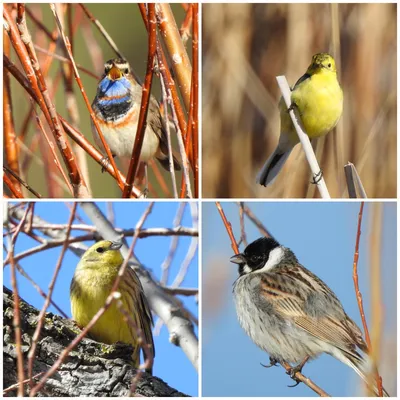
318 97
91 284
292 314
116 107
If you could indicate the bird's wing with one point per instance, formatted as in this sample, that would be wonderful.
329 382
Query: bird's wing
301 297
154 119
302 79
145 317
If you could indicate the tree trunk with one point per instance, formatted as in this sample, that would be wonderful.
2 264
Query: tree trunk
90 369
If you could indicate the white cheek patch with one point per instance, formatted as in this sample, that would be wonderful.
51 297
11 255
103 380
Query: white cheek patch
275 257
246 269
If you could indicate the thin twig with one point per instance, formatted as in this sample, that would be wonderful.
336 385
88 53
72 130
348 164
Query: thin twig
376 295
228 227
307 381
17 317
191 251
263 230
176 50
144 106
243 238
359 295
355 277
172 248
168 131
36 335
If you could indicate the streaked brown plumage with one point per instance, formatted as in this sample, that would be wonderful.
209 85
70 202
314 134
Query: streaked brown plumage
292 314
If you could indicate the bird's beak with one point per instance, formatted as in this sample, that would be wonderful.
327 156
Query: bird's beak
114 73
238 259
115 246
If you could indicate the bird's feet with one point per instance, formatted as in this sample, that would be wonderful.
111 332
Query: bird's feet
292 107
272 362
294 370
144 193
105 163
317 178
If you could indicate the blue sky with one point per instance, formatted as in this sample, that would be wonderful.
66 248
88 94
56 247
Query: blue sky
171 364
322 235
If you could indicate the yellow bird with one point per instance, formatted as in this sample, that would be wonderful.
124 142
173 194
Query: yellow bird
319 100
93 280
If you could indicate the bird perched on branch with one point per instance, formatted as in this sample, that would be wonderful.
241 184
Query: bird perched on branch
93 280
292 314
318 98
117 107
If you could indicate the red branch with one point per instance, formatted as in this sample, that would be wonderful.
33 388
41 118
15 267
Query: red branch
355 278
144 106
228 227
359 297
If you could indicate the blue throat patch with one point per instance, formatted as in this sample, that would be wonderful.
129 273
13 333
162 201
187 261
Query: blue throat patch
120 104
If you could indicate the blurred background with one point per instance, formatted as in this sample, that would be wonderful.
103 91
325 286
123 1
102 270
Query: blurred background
171 364
124 24
322 235
245 46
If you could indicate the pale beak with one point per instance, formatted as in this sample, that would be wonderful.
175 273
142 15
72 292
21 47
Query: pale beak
115 246
238 259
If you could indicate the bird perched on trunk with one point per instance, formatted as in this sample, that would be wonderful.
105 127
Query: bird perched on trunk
93 280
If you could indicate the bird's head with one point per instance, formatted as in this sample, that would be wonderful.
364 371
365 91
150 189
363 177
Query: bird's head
322 62
116 69
259 256
102 252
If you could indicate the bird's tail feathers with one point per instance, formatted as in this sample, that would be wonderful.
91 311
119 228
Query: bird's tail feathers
272 167
164 161
364 369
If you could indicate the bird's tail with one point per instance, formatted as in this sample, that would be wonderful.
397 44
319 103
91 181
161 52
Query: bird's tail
364 369
272 166
164 161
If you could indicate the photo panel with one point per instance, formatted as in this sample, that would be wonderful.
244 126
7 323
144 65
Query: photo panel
102 101
288 292
338 64
98 298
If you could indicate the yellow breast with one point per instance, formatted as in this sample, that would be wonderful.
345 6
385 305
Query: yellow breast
94 287
319 100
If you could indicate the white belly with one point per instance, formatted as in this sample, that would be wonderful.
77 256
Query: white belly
121 137
279 338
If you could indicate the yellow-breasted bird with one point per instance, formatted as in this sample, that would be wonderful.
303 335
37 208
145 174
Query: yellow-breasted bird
319 100
93 280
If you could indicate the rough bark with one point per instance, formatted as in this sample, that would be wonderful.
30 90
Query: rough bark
91 369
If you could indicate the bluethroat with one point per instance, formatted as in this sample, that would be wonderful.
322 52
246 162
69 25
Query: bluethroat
117 108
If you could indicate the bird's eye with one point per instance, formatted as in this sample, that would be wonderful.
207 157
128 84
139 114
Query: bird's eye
100 250
126 71
329 65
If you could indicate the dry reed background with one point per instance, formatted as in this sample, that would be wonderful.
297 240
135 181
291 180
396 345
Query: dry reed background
245 46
